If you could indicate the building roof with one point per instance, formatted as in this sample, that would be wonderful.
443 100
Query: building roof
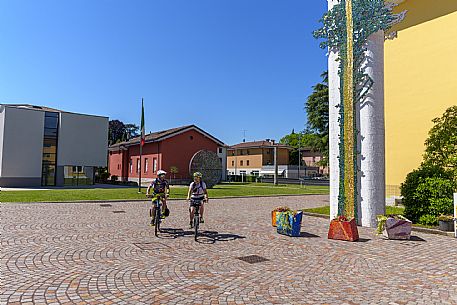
258 144
44 108
164 134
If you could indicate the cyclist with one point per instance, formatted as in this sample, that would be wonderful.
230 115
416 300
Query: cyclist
197 193
160 188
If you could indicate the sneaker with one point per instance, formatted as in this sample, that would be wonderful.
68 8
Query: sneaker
191 225
202 220
153 223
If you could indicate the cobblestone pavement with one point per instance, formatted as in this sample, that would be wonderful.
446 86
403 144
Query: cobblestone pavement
83 253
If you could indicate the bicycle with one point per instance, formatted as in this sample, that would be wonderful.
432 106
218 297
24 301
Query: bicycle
196 223
157 218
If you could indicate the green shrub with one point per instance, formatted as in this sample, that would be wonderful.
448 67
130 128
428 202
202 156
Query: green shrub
428 220
435 183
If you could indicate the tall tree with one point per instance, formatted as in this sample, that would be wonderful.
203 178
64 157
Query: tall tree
131 131
316 107
116 132
440 147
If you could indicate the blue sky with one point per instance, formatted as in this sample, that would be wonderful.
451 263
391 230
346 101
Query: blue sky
224 65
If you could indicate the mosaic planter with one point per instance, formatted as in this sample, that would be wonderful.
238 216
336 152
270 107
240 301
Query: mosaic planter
397 228
343 230
290 226
273 218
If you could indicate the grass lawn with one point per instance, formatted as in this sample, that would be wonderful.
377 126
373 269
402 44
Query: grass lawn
326 210
219 191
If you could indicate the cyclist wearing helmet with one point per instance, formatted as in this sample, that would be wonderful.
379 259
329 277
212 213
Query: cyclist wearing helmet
161 189
197 193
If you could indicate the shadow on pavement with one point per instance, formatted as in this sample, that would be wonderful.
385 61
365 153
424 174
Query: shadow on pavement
205 237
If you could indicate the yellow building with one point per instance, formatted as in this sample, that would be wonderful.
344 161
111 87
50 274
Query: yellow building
420 82
255 158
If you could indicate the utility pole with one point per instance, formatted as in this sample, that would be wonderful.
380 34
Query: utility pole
299 158
276 165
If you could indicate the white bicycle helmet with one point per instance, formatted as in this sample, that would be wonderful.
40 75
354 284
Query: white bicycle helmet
161 172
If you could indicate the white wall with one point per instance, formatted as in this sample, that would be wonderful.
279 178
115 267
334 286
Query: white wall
2 116
83 140
223 156
22 143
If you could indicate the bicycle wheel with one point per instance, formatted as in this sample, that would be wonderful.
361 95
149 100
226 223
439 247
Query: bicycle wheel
157 221
196 224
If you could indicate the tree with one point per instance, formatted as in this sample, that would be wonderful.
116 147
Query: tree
317 107
441 145
131 131
116 132
302 140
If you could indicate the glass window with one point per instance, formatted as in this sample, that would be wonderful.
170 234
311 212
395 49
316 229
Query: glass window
49 158
50 132
138 164
154 165
78 175
51 122
247 163
131 166
241 163
48 175
50 146
146 163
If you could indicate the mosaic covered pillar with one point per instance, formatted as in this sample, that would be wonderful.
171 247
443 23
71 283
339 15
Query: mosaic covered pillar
372 137
371 141
334 129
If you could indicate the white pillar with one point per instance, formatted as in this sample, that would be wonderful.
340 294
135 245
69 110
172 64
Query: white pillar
372 137
334 128
371 192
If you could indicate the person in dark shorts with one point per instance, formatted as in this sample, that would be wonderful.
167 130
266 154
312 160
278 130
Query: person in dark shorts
197 193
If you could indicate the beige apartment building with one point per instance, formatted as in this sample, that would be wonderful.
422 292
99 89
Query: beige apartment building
257 158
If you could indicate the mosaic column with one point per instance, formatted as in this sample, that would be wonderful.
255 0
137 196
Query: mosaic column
372 137
371 140
334 129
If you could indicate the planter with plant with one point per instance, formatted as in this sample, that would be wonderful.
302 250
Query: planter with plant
342 228
446 223
275 212
394 226
289 222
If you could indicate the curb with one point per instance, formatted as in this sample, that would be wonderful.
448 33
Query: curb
414 229
172 199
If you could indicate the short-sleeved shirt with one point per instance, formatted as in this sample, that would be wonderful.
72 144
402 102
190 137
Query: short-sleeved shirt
159 186
198 190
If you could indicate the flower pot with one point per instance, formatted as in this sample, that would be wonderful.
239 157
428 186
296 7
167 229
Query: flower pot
447 226
397 228
273 218
343 230
288 223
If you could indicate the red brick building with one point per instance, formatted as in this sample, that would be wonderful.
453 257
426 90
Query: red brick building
167 149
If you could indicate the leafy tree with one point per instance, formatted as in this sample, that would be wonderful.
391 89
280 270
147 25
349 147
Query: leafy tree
131 131
116 132
302 140
317 111
441 145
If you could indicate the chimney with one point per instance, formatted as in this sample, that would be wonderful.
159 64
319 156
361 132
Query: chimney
273 141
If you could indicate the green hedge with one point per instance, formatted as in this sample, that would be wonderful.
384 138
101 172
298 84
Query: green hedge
427 193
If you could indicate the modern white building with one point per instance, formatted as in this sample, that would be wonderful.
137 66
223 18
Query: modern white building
41 146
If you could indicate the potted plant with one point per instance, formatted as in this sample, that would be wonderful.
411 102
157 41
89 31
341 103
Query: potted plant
289 222
342 228
275 212
394 226
446 223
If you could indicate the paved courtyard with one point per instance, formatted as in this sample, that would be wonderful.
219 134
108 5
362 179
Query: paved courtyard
84 253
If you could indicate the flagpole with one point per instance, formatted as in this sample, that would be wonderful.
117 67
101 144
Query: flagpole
141 143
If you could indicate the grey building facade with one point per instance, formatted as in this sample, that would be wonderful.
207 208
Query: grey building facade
41 146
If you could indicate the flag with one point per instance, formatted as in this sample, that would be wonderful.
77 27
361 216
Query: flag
142 123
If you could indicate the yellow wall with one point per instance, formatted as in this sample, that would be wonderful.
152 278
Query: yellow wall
420 81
